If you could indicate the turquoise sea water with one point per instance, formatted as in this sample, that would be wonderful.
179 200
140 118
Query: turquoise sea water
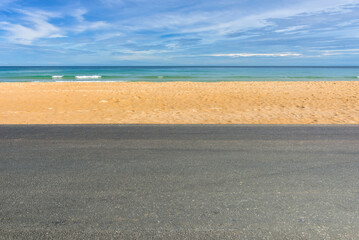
169 74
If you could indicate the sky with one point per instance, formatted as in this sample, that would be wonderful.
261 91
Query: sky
179 32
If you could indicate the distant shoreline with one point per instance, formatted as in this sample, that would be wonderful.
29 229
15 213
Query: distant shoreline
321 102
184 66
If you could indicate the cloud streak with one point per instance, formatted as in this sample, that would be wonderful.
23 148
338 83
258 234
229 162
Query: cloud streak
84 25
38 27
214 31
256 55
222 22
290 29
340 52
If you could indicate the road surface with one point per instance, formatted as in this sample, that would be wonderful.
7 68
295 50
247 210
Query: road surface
179 182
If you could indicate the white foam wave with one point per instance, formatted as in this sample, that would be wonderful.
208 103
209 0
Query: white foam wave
89 81
57 76
88 77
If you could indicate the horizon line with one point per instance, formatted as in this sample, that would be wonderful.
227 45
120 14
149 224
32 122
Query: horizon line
190 66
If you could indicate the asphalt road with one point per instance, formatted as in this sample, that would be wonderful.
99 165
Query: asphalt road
179 182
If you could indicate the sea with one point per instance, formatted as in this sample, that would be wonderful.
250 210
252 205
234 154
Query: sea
171 74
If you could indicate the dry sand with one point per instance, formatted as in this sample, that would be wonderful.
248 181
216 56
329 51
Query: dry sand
180 102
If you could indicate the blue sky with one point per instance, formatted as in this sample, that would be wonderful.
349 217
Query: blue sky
179 32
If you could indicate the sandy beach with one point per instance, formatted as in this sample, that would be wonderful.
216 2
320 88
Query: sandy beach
180 103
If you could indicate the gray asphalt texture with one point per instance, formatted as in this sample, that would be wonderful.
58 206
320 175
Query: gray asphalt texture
179 182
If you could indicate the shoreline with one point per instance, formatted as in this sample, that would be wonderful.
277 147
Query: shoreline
279 102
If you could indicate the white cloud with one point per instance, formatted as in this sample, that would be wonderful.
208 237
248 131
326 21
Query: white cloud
222 22
132 55
157 54
170 21
172 45
144 52
84 25
348 23
264 19
37 27
354 51
290 29
106 36
255 55
79 14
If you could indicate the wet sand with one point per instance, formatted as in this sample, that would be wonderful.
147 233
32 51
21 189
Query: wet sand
180 103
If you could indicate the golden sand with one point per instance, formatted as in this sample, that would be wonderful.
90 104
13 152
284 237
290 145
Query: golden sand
180 103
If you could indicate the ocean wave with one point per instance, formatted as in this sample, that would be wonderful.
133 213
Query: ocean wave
57 76
166 77
88 77
61 81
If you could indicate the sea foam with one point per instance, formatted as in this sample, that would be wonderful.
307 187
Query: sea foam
56 77
88 77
